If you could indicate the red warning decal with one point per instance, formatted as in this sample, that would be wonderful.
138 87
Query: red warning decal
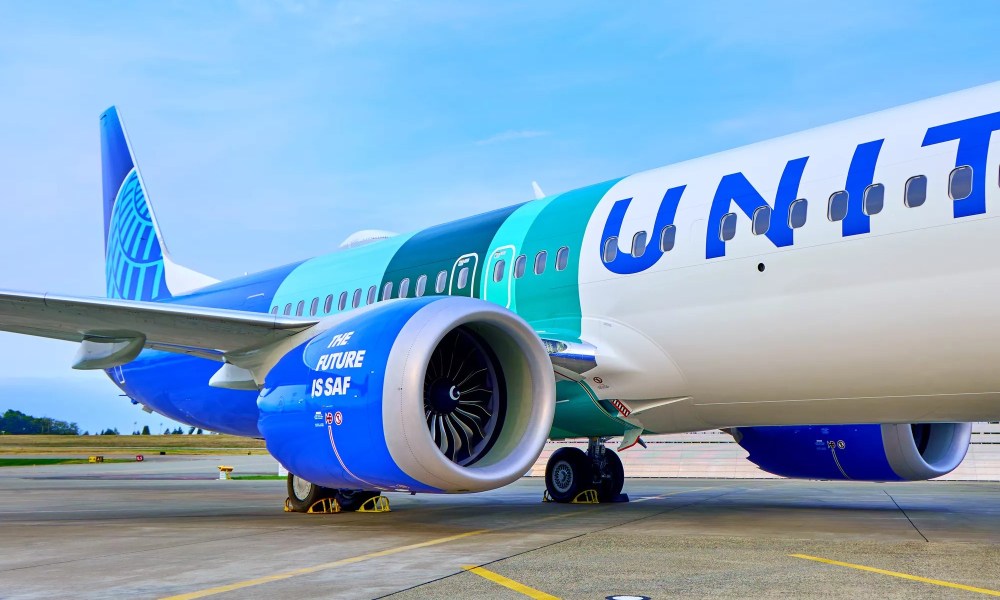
624 410
329 418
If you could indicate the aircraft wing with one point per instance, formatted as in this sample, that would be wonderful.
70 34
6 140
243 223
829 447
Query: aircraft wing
112 332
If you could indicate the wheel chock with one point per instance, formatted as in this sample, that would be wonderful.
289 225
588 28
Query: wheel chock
325 506
584 497
375 504
321 507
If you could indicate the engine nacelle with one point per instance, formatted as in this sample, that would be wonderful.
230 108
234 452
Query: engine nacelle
437 394
859 452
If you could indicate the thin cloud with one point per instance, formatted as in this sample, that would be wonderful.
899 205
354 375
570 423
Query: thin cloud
509 136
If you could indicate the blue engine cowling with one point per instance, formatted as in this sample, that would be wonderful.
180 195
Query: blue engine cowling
438 394
859 452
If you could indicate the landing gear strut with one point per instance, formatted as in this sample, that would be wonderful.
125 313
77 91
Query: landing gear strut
302 494
570 471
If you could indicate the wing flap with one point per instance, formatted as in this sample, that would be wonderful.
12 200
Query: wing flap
170 327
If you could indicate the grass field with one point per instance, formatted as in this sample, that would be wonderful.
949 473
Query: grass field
35 462
129 444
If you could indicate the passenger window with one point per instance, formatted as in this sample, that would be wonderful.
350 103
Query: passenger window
274 310
371 295
540 259
761 220
442 280
916 191
797 213
562 258
387 290
874 199
288 309
328 304
342 303
404 287
356 301
837 208
519 263
421 285
301 306
498 267
668 236
610 249
313 307
639 244
727 227
960 183
463 278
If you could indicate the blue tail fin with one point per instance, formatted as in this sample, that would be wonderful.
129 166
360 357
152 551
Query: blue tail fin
137 265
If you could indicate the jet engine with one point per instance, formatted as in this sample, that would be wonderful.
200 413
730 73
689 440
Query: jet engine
907 452
437 394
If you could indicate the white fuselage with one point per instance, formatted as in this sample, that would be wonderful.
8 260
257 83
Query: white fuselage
899 324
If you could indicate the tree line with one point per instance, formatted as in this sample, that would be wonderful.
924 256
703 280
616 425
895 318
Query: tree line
15 422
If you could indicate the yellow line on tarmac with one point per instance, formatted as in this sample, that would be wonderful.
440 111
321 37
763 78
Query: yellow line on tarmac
330 565
957 586
510 583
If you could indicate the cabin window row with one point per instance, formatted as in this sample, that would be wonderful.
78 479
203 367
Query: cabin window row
873 201
420 285
640 243
538 266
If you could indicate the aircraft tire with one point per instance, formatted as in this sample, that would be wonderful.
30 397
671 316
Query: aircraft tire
353 499
611 485
303 494
567 473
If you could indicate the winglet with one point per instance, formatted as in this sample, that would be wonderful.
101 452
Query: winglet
539 194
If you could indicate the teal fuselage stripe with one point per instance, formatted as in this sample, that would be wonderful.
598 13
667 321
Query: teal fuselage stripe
440 248
551 302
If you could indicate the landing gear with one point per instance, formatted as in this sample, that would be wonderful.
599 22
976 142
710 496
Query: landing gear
302 494
612 478
571 471
567 474
353 499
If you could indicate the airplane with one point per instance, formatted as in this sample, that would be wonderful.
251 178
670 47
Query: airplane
830 298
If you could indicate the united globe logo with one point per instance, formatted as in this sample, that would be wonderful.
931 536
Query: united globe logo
134 258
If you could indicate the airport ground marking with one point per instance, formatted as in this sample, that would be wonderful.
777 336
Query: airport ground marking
949 584
322 567
675 493
355 559
509 583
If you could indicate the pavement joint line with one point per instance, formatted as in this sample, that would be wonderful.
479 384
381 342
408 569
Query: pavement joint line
509 583
572 537
321 567
949 584
131 552
906 515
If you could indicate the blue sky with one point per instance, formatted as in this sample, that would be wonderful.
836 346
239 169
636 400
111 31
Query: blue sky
269 131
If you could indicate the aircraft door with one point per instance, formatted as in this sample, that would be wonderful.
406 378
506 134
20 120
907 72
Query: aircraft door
463 276
497 278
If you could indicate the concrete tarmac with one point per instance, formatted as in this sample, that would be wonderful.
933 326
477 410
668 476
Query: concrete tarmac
168 527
